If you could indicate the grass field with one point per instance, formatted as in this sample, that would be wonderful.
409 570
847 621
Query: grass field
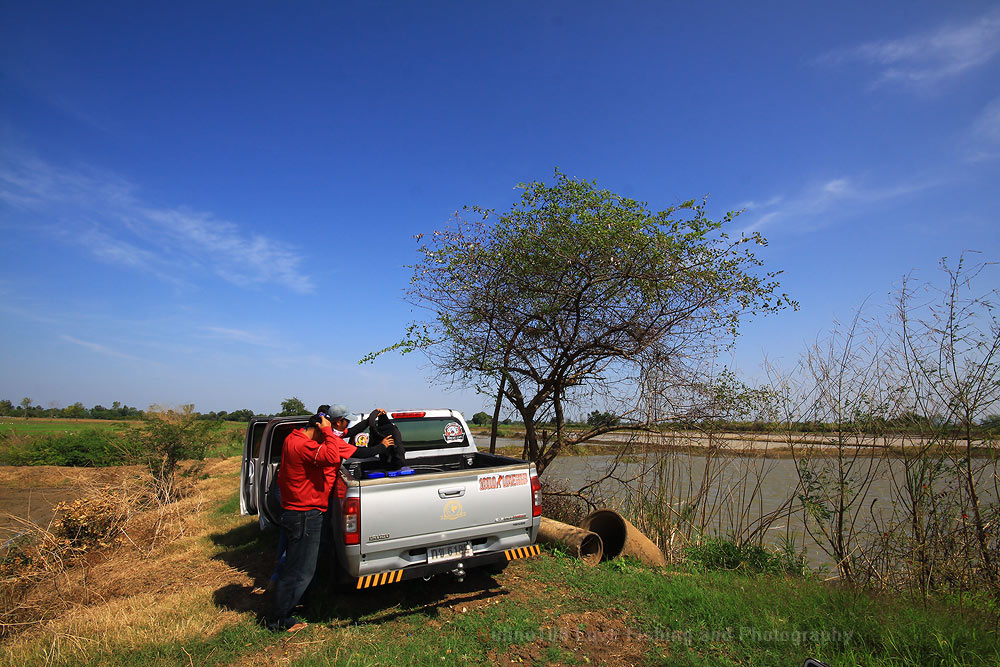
47 426
196 597
44 426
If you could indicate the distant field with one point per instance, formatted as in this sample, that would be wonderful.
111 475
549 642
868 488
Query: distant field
38 426
32 426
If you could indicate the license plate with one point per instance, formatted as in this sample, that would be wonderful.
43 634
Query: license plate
449 552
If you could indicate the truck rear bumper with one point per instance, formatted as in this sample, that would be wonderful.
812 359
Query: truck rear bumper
468 563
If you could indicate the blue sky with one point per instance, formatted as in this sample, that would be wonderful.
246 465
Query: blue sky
216 202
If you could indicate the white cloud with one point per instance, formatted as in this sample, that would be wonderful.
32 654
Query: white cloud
97 347
924 59
838 187
753 205
817 204
240 336
981 141
987 126
101 212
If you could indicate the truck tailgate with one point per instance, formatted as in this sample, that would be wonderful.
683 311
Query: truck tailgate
438 508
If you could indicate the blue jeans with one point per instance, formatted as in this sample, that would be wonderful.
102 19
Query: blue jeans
282 548
303 529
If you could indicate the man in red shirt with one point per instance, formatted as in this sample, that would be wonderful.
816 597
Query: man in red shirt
310 460
302 479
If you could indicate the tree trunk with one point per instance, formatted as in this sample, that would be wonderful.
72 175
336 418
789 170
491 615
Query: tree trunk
496 415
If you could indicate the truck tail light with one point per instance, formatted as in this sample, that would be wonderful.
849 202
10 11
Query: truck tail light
536 496
408 415
352 521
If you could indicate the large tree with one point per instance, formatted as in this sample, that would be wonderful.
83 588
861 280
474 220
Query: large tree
292 407
576 290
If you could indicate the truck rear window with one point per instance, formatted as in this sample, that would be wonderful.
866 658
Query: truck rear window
431 433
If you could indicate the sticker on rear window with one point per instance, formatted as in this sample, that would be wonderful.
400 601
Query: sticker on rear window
453 433
361 440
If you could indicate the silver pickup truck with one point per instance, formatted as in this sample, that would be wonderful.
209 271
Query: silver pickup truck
449 509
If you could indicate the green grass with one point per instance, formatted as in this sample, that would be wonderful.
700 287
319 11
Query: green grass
692 616
46 426
224 648
729 618
63 442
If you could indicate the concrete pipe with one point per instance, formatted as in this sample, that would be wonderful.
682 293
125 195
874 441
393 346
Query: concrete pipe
583 544
622 538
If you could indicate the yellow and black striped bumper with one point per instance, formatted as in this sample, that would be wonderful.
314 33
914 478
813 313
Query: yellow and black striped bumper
522 552
395 576
371 580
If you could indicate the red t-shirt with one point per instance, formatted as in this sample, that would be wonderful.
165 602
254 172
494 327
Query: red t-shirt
306 467
346 451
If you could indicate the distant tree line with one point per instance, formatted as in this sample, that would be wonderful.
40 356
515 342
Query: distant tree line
905 423
909 423
118 410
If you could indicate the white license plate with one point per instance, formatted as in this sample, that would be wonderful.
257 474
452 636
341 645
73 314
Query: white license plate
449 552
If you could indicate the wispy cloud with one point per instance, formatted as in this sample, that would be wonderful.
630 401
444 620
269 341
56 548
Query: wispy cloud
753 205
240 336
97 347
924 59
987 126
102 212
818 204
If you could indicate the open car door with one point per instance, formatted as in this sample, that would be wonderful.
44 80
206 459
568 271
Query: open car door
249 472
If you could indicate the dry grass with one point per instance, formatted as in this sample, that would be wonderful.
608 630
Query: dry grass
67 602
58 476
84 632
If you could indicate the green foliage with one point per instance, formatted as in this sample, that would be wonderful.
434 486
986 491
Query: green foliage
598 418
75 411
243 415
720 554
576 286
991 423
167 436
87 448
481 419
292 407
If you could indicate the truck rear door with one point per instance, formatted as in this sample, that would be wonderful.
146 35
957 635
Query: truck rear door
249 472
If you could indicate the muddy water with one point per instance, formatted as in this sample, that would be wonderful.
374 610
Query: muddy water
740 491
34 505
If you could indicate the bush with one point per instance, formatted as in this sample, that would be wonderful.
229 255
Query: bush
88 522
598 419
166 436
481 419
87 448
720 554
